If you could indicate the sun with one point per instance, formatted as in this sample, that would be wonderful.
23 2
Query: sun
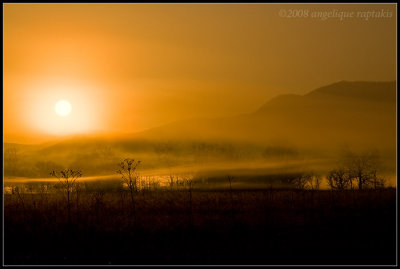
63 108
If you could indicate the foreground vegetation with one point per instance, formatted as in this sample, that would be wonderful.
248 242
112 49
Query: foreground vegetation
96 224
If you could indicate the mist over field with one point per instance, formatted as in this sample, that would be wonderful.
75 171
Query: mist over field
290 133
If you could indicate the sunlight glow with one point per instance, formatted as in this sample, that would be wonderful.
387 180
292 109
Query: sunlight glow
63 108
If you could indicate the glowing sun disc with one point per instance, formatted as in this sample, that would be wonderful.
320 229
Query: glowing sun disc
63 108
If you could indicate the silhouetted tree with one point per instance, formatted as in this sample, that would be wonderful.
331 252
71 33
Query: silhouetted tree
362 168
357 168
378 181
130 177
315 181
300 182
308 180
67 178
338 179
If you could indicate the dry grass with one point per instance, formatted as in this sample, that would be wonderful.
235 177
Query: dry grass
269 226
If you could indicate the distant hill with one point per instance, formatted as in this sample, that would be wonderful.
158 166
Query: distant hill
372 91
343 113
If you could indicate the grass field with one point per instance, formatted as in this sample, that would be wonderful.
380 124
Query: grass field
186 225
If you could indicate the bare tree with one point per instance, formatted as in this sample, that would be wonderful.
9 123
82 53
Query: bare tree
130 177
307 180
318 181
302 181
67 178
363 168
171 181
315 181
338 179
378 182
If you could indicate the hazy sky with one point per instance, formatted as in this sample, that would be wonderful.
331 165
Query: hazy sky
128 67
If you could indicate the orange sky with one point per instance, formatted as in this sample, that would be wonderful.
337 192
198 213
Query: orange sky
128 67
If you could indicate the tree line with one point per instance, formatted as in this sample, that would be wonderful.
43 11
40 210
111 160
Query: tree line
354 171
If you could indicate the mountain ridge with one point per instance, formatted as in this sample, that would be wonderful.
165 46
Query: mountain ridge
321 112
278 111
